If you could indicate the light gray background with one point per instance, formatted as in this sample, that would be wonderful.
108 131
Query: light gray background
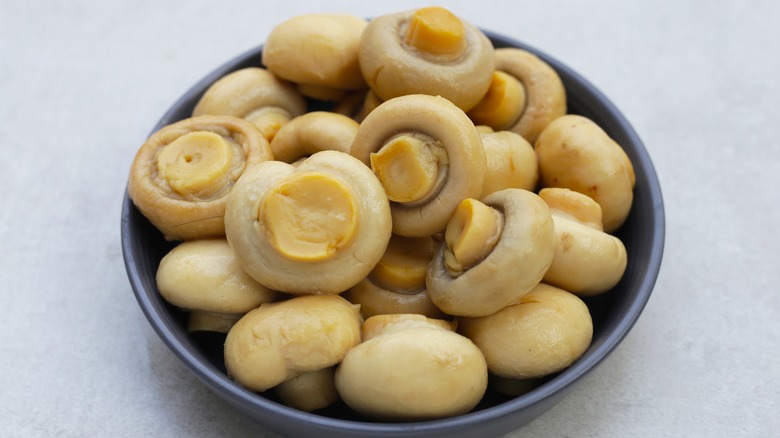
83 82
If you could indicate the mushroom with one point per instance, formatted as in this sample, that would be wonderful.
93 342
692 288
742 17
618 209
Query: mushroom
541 333
427 51
309 391
495 251
575 153
511 162
587 260
409 367
397 283
320 227
544 95
319 52
256 95
182 174
427 155
502 105
204 277
280 341
313 132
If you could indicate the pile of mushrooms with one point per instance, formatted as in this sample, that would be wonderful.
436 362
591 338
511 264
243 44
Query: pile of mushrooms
389 213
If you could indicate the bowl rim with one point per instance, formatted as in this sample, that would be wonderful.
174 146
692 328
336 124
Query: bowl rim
540 398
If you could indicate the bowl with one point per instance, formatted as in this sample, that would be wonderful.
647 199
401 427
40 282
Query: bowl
614 313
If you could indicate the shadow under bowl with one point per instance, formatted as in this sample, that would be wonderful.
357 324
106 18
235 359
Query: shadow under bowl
614 313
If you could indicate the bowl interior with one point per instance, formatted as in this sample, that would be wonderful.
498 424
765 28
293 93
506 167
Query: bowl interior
614 313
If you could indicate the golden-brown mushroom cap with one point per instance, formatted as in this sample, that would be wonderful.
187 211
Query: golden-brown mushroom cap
516 263
511 162
311 133
280 341
393 66
253 94
575 153
443 373
182 174
317 49
542 333
545 96
587 261
320 227
428 156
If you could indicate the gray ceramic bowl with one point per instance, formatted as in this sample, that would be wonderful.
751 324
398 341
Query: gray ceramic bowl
613 313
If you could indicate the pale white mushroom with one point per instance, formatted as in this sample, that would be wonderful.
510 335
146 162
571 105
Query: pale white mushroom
587 260
280 341
426 51
204 277
541 333
309 391
320 227
409 367
311 133
575 153
182 174
495 251
428 156
511 162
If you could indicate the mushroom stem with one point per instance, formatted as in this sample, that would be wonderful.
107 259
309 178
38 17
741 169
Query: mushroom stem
196 163
310 217
404 264
471 235
437 31
409 167
503 103
269 120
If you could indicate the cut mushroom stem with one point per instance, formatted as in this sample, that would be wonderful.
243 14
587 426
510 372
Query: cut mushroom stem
402 267
410 167
503 103
196 163
437 31
471 235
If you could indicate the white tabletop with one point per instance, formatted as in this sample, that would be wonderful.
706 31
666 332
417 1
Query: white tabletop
82 83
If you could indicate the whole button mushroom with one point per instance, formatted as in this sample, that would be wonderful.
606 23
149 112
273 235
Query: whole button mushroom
427 51
495 251
541 333
204 277
587 260
542 99
311 133
511 162
409 367
319 52
256 95
397 284
575 153
309 391
318 228
428 156
280 341
182 174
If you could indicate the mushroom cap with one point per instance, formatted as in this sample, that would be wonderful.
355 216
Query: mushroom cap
511 162
205 275
309 391
587 261
188 218
257 253
392 68
311 133
283 340
545 94
575 153
317 49
445 124
542 333
376 300
417 373
515 266
245 91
